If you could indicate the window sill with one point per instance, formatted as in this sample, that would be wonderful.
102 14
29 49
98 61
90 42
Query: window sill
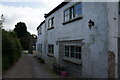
72 20
50 28
76 63
50 55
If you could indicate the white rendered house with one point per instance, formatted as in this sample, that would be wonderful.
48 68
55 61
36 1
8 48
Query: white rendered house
83 37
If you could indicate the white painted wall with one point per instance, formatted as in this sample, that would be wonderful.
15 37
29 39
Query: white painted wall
41 40
97 41
112 9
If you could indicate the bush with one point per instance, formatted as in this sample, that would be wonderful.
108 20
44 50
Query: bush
11 49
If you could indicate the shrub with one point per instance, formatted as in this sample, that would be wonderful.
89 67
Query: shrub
11 49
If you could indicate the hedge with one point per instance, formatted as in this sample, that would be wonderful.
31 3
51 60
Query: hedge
11 49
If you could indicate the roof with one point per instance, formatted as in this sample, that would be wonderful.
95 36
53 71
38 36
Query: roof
55 9
40 24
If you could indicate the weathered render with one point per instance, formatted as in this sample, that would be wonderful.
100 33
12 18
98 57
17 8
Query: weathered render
98 44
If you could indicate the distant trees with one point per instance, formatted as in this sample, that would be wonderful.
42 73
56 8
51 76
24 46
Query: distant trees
21 29
23 34
2 19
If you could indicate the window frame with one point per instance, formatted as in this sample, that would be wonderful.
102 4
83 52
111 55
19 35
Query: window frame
40 30
51 49
51 23
41 48
73 59
74 18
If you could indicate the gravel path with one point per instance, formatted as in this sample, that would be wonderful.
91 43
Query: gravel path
29 67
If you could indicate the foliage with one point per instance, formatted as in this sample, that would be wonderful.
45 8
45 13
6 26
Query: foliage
2 19
11 48
21 29
23 34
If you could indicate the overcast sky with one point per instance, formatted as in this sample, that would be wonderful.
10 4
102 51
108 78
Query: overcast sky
32 13
29 11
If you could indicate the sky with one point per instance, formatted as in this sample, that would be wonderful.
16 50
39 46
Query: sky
30 12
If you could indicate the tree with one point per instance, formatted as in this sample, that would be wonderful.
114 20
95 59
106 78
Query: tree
23 34
2 19
21 29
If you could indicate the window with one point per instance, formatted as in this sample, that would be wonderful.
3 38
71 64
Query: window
73 52
40 30
78 10
66 14
41 48
51 49
50 22
72 12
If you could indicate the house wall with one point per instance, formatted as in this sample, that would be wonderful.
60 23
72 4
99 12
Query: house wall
97 41
112 8
94 60
119 43
41 40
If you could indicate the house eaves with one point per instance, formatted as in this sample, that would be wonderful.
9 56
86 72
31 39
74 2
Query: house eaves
40 24
55 9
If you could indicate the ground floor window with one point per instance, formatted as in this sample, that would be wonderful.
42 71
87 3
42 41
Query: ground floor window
72 51
41 48
51 49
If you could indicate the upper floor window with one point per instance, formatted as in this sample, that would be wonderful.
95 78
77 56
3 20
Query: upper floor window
40 30
78 10
66 15
50 23
73 12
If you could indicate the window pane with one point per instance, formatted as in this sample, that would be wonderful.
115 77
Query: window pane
78 6
78 49
52 22
78 9
78 12
66 48
49 23
72 54
48 48
76 55
66 15
71 12
67 54
51 49
72 48
67 12
79 57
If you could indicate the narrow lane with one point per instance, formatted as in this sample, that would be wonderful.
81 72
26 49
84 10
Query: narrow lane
29 67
